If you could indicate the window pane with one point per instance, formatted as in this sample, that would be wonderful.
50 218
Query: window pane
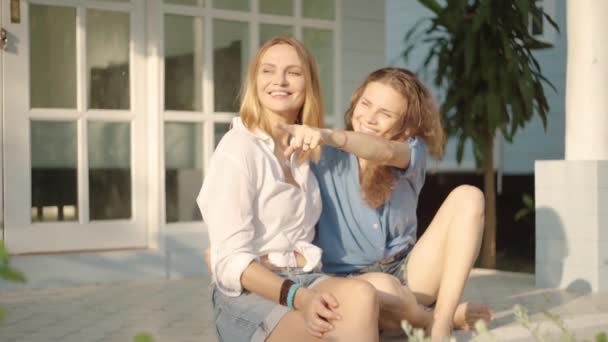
54 178
186 2
220 129
52 56
279 7
268 31
237 5
183 171
108 59
321 44
319 9
230 55
109 170
183 63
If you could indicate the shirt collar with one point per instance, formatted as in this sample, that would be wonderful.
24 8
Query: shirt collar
256 132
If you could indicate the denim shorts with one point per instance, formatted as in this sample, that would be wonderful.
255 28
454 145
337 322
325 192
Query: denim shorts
250 317
395 266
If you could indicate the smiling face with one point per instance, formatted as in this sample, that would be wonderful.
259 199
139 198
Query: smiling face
379 111
280 82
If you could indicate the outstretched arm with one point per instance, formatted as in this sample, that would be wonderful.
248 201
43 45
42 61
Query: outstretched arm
366 146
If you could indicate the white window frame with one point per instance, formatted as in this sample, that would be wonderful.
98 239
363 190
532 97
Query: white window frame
31 240
207 117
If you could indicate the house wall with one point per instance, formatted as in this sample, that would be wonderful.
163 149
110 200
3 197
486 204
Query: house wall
531 143
360 49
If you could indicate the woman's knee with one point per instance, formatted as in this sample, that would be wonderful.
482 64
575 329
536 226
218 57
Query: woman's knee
383 282
392 294
469 199
361 295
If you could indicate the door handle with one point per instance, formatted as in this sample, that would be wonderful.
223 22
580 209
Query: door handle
3 39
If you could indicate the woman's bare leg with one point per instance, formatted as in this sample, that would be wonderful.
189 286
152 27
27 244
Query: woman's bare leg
441 260
397 302
358 306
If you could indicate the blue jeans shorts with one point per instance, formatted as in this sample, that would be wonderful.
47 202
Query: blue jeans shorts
250 317
395 265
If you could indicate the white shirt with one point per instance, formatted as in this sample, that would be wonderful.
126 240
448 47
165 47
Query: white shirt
250 210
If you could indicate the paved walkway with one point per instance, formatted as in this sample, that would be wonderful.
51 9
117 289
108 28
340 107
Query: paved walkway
179 310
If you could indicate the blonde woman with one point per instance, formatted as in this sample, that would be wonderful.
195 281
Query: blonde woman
370 177
261 207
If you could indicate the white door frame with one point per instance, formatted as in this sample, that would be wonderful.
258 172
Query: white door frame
22 236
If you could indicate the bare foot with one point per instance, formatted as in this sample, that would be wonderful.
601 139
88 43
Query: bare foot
470 312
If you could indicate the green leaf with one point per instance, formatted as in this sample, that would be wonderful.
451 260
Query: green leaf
11 274
143 338
493 110
431 5
3 253
601 337
462 139
521 213
469 54
551 22
528 200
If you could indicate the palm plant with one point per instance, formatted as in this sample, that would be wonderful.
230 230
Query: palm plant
482 55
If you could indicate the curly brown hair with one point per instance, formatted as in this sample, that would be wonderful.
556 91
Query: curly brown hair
420 118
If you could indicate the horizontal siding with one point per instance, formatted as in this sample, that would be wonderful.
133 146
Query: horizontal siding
363 9
357 64
362 44
364 35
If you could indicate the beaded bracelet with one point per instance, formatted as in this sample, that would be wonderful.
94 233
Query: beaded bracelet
291 295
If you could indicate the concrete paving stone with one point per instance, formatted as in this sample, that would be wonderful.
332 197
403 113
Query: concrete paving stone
28 326
11 335
82 337
116 338
581 307
501 305
472 297
179 310
39 337
13 316
56 333
497 292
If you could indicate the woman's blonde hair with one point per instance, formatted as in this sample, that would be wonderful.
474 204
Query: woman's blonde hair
311 114
420 118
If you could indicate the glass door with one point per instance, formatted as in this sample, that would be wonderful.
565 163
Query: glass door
74 133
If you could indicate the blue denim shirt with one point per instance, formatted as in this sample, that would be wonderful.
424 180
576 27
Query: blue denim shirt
352 234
